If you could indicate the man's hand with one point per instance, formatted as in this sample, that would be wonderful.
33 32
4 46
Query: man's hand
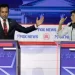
40 21
62 20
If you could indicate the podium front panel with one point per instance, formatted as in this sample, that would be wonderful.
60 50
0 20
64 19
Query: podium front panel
67 58
8 58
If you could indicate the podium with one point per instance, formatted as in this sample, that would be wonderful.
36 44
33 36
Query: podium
67 58
9 57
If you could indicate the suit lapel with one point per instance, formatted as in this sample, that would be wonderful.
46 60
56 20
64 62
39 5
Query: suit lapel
9 25
1 28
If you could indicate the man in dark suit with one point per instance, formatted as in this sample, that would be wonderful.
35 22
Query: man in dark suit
8 26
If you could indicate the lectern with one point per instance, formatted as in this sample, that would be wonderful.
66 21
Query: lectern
9 57
67 58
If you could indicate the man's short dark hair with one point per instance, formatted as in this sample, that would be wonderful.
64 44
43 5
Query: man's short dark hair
73 11
4 5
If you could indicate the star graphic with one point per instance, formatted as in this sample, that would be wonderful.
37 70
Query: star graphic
9 54
73 55
68 55
2 54
8 67
68 70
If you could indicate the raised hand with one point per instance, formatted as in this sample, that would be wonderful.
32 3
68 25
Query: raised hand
62 20
40 21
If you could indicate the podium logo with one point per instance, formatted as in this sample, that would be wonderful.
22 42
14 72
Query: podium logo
46 36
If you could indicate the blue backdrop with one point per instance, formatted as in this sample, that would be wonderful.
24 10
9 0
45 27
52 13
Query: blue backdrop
26 11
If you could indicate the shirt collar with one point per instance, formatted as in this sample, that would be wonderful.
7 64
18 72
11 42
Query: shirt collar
2 19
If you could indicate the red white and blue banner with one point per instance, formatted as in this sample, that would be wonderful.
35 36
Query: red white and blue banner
44 33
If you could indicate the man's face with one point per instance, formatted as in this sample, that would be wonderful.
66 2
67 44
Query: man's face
73 17
4 12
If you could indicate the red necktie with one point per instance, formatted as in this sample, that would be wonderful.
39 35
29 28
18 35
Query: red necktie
5 26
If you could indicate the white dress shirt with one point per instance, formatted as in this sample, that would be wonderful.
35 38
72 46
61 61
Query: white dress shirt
7 23
67 30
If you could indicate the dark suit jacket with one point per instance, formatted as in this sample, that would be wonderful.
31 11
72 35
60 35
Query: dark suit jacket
14 26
